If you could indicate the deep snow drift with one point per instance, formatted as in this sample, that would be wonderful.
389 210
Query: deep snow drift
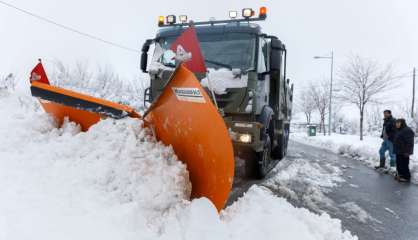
350 146
117 182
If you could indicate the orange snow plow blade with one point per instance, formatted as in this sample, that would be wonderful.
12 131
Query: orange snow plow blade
84 118
80 108
183 116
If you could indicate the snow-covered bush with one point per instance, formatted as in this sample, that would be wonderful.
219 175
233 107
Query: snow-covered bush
102 83
8 82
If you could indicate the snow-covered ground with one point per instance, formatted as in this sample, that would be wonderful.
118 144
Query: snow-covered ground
116 182
351 146
306 182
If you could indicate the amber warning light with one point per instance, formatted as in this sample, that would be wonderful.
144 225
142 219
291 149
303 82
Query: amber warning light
161 20
263 12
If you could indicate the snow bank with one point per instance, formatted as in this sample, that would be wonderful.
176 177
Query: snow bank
260 215
117 182
62 184
350 145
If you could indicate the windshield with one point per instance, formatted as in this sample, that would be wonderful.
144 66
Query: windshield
220 50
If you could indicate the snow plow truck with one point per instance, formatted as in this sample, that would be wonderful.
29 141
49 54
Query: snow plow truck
246 78
218 92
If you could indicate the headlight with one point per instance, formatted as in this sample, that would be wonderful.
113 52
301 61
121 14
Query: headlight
244 138
240 137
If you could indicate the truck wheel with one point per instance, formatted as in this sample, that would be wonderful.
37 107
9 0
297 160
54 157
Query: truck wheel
258 166
281 150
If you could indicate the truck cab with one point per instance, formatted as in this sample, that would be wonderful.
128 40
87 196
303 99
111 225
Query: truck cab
246 76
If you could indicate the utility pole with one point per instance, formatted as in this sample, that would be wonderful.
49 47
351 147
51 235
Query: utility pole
413 94
330 89
330 94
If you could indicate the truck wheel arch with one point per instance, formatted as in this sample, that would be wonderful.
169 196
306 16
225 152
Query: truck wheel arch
265 118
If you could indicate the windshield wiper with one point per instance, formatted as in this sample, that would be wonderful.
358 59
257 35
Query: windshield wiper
219 64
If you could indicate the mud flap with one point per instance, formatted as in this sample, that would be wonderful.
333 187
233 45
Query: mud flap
184 117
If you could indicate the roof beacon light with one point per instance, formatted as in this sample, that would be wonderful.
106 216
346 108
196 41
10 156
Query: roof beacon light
171 19
233 14
160 20
247 12
183 18
263 12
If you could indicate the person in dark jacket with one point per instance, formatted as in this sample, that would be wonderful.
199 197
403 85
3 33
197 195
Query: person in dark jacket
388 135
403 147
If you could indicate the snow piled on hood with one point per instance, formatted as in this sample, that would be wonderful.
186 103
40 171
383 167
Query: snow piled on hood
117 182
222 79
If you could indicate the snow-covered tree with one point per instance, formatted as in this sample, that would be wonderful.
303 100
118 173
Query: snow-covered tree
363 81
82 72
8 82
406 112
338 119
60 75
319 93
102 82
374 119
306 105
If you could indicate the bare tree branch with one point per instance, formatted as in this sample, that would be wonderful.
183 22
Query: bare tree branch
363 81
306 105
320 97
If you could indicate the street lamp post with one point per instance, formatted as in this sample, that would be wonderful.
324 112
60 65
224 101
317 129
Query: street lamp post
330 88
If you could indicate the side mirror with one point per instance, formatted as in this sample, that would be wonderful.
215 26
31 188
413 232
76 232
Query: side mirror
144 62
144 55
275 55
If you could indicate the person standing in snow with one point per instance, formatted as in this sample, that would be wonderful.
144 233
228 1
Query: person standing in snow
388 135
403 147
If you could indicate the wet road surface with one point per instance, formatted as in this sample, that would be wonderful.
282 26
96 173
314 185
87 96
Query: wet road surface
370 204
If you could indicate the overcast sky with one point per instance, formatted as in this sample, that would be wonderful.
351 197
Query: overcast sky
385 30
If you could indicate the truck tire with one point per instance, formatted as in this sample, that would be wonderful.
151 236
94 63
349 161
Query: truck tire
283 139
259 165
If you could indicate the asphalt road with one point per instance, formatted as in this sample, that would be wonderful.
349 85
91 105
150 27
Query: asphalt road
391 207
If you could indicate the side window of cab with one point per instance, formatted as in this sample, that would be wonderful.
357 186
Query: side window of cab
263 59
